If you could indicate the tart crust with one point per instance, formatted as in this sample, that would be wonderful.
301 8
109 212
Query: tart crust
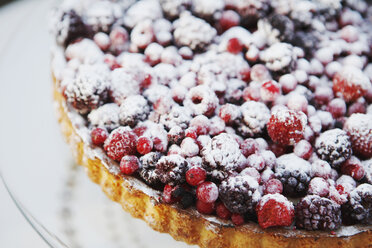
188 225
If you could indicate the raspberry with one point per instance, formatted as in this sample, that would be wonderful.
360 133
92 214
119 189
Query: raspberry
303 149
144 145
274 210
294 173
205 208
230 113
356 107
191 133
121 142
171 169
98 136
337 107
195 176
259 73
222 156
318 186
320 168
200 124
270 90
252 172
333 146
354 168
237 219
359 129
189 147
273 186
358 209
201 100
286 127
317 213
350 83
255 116
234 45
240 194
129 164
222 211
283 25
249 146
229 19
106 116
133 110
148 171
256 161
207 192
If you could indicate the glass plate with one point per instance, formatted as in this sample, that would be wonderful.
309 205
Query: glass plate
53 193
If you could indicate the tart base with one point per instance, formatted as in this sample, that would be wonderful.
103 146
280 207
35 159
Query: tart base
188 225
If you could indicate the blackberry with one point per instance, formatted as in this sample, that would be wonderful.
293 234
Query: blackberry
70 28
147 171
187 200
255 117
240 194
318 213
277 28
252 10
222 156
294 173
333 146
133 109
306 40
175 135
172 169
89 89
102 15
358 209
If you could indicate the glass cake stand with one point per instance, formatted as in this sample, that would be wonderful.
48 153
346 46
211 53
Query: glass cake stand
53 193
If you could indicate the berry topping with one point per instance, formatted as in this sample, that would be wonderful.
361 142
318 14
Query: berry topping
294 173
89 90
359 129
273 186
234 46
286 127
358 209
205 208
121 142
240 194
255 116
222 211
274 210
106 116
318 186
333 146
350 83
354 168
144 145
133 109
207 192
129 164
222 156
148 171
195 176
98 135
171 169
317 213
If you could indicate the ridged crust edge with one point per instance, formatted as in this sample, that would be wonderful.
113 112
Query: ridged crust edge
183 225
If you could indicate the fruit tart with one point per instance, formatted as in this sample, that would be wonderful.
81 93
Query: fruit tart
225 123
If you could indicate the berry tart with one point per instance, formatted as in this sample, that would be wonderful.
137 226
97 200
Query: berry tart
225 123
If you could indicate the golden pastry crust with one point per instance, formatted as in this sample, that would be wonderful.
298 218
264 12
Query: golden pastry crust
188 225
